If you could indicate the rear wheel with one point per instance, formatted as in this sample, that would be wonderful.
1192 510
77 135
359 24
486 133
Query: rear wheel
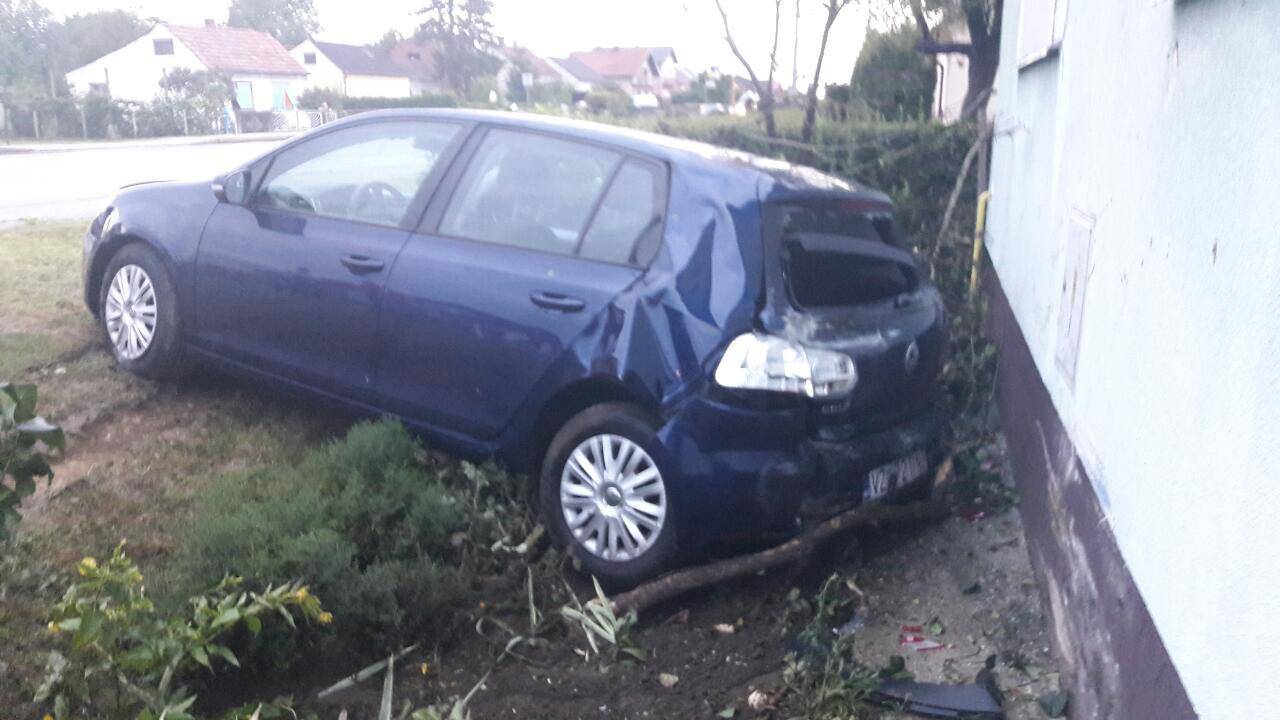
139 312
605 497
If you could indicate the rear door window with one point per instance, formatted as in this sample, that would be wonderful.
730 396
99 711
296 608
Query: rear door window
628 225
529 190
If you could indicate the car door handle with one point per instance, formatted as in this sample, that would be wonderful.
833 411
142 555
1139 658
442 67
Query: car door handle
557 301
362 264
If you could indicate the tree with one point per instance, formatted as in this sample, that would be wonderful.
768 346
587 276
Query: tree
463 33
763 89
982 19
388 40
24 36
81 39
891 78
833 8
289 21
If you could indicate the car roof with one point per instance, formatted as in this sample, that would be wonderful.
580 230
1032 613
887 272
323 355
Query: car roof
789 178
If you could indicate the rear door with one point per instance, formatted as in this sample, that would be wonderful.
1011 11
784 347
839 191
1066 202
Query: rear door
292 281
525 246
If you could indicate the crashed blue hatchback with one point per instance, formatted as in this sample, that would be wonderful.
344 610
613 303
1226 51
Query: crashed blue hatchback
679 343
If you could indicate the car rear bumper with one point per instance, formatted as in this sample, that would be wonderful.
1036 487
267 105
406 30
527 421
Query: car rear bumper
743 472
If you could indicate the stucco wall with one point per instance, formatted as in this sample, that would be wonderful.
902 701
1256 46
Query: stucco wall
1154 127
133 72
323 73
377 86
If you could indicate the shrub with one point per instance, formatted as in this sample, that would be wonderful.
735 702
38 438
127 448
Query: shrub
125 658
359 520
23 435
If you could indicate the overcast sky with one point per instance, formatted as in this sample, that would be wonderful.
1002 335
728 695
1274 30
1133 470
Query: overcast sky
557 27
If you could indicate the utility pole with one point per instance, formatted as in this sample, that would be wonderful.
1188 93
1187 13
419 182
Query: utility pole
795 52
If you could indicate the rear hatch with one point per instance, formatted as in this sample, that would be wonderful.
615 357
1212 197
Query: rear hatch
839 277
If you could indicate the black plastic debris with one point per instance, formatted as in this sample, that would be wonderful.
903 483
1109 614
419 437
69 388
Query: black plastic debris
936 700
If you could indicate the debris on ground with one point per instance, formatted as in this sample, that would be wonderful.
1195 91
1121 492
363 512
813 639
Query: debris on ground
938 700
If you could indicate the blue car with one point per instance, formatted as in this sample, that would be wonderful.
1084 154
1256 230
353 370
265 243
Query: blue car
679 343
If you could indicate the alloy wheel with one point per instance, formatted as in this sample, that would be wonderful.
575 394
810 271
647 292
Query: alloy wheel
613 497
131 312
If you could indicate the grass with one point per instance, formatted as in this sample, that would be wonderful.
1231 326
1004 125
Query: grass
43 317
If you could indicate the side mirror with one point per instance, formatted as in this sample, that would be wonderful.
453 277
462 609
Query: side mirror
233 188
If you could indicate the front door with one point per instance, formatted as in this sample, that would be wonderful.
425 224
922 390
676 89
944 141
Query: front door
292 281
538 237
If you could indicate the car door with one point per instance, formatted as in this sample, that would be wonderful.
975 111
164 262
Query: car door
527 249
291 281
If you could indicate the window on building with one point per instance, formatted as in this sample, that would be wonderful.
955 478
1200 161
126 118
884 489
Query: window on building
244 94
280 99
163 46
309 58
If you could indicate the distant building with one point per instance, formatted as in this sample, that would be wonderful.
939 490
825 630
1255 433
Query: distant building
952 76
519 63
578 74
637 70
417 58
263 74
352 70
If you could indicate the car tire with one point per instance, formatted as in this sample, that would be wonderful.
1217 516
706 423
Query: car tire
137 272
644 551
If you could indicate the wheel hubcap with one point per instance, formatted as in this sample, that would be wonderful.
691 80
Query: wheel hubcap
613 497
130 312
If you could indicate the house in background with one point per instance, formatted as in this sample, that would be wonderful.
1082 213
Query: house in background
952 76
1135 297
263 74
577 74
521 66
417 58
352 70
638 71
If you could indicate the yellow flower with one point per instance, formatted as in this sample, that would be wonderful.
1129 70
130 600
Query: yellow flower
86 565
302 593
47 716
424 668
324 618
53 627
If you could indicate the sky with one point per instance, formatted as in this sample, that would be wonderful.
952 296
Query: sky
557 27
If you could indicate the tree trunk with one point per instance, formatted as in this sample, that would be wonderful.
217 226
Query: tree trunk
983 60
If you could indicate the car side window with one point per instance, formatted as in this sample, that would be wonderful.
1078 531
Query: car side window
529 190
628 224
368 173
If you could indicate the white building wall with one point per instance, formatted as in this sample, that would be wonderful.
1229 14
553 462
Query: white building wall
377 86
323 73
133 72
264 88
1155 127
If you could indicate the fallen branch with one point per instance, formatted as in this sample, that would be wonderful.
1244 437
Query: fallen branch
352 680
984 135
678 583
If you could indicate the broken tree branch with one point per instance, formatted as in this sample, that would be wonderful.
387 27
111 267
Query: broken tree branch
864 516
766 98
983 136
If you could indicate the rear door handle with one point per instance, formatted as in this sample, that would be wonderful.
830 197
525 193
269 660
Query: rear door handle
362 264
557 301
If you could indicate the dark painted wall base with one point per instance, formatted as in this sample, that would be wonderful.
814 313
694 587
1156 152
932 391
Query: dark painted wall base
1115 664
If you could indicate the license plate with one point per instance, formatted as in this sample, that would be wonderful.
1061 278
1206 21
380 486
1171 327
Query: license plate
889 477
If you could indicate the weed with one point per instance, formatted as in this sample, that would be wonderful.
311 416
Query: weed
23 438
605 628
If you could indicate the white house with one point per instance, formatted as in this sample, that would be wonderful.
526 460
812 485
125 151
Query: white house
263 74
353 70
1133 236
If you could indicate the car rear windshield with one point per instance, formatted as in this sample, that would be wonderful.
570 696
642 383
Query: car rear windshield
836 255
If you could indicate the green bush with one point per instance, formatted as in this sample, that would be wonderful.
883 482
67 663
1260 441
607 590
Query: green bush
24 439
359 520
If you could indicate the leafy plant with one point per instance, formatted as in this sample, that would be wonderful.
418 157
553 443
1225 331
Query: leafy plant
123 657
603 627
23 438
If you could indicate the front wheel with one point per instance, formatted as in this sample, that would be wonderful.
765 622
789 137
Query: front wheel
138 309
605 496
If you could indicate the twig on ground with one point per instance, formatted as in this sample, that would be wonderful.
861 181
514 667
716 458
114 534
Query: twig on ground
683 581
355 679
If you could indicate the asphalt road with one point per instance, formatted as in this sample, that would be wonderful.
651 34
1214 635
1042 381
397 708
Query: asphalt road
74 183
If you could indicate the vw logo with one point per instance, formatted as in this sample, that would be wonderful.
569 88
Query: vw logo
911 359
